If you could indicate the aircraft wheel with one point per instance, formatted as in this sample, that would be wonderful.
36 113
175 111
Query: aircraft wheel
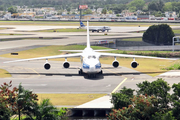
94 75
101 72
89 75
80 72
98 31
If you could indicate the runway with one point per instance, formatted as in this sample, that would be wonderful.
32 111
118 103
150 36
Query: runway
32 75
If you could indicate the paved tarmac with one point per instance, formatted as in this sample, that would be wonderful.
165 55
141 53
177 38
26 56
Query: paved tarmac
32 75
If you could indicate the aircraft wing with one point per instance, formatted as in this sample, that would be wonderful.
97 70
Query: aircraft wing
82 50
133 56
48 57
71 50
104 50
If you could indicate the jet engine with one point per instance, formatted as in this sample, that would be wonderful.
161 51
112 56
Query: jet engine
134 64
47 66
66 64
115 64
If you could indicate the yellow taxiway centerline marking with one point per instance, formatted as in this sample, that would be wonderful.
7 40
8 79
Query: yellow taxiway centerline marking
34 71
119 83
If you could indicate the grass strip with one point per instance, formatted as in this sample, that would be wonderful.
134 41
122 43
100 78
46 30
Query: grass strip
69 99
4 73
71 23
151 67
63 30
9 34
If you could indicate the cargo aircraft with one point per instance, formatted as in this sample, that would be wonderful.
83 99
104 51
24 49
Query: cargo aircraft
95 28
89 59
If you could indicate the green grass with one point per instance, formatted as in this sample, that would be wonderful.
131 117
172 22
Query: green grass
2 28
9 34
4 73
176 31
69 99
175 66
47 51
62 23
151 67
132 39
63 30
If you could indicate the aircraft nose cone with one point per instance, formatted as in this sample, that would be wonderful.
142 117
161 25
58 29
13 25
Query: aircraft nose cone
92 68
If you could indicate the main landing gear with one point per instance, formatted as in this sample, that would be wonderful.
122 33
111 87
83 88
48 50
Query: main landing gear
80 72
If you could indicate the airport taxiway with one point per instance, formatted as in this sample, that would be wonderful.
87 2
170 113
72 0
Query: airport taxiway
32 75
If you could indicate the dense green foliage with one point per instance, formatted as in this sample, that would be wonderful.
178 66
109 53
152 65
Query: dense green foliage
18 102
121 99
152 101
12 10
159 35
116 5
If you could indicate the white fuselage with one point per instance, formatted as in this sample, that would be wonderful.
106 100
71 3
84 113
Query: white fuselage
97 28
90 62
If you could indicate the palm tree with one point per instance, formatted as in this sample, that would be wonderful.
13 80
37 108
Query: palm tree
26 102
46 111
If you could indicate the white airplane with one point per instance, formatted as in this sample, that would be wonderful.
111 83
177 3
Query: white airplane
95 28
89 59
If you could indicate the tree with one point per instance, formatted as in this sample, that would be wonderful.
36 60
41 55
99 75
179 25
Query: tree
118 8
152 102
142 107
121 99
168 6
176 6
12 9
20 101
88 11
110 12
46 111
104 11
176 100
159 34
156 6
132 9
138 4
159 89
26 102
8 101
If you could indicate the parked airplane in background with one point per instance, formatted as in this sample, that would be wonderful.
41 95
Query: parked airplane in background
89 59
95 28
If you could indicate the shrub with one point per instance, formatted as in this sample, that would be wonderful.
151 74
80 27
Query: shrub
159 35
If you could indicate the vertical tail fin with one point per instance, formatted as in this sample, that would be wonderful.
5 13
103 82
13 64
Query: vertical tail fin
81 24
88 40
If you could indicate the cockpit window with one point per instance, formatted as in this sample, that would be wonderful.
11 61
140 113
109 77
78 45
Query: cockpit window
91 56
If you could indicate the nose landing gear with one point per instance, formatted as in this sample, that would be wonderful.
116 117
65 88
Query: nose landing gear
91 75
80 72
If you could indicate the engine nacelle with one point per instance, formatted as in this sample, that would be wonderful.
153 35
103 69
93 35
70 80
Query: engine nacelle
66 64
47 66
134 64
115 64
